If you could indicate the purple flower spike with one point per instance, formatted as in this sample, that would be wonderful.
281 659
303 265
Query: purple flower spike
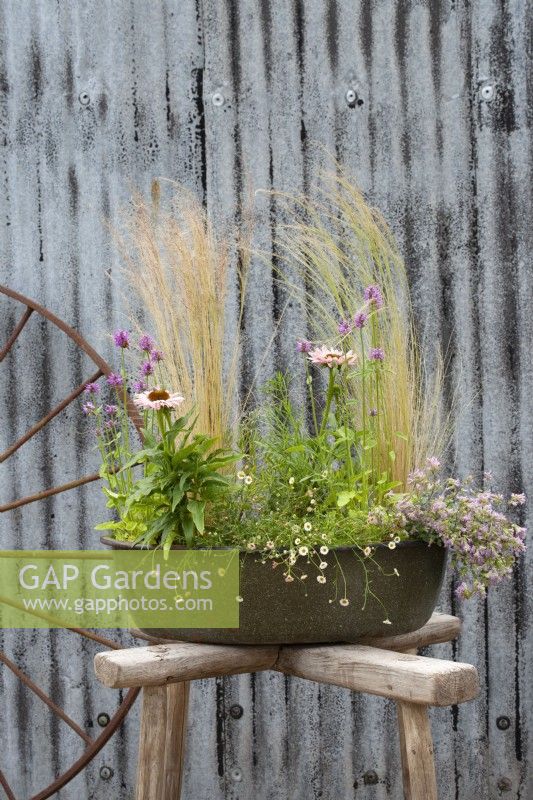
156 356
376 354
92 388
122 339
344 327
87 408
373 296
146 343
360 319
147 368
139 386
303 346
110 410
114 380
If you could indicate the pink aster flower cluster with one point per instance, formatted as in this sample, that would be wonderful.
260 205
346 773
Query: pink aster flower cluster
483 542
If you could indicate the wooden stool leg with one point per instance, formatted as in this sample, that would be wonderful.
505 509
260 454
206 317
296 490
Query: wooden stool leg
161 742
176 733
152 742
416 745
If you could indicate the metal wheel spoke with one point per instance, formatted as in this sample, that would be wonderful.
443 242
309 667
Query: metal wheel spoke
32 498
91 751
6 787
50 416
44 697
14 336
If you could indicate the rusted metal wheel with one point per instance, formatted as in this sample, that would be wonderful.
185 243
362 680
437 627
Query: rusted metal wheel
90 746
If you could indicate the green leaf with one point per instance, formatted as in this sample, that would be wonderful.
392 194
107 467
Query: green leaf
188 528
343 498
197 508
177 496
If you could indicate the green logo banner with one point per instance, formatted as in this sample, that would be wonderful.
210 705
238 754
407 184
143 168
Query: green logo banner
119 589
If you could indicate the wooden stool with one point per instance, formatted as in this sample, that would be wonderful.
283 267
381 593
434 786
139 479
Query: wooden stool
386 666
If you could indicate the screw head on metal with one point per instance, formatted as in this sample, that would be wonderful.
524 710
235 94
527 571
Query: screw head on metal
370 778
505 785
503 723
236 711
218 99
103 719
106 773
236 775
487 92
84 98
351 97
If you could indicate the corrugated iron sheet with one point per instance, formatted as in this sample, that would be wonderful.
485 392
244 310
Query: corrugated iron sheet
428 105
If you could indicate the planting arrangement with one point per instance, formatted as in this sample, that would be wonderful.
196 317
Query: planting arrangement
328 477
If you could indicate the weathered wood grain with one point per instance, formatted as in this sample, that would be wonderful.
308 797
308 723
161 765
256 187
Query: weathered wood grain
416 746
160 664
401 676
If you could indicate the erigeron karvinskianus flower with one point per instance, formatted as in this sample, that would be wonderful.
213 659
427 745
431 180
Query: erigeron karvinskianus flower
344 601
303 550
248 480
324 550
308 527
323 565
332 357
157 399
321 578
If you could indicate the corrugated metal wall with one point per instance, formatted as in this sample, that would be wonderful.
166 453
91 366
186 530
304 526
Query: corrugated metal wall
99 97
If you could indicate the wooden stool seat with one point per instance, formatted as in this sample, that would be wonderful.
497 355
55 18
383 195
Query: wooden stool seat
385 666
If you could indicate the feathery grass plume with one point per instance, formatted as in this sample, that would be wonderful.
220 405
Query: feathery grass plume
339 245
183 272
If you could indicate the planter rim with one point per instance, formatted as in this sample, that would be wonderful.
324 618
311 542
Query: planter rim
121 545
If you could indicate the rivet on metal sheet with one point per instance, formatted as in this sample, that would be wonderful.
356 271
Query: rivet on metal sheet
236 775
103 719
106 773
218 99
503 723
370 778
351 97
236 711
84 98
487 92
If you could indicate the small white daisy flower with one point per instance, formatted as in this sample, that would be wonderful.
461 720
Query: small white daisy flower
239 599
308 527
269 545
241 475
324 536
344 601
387 621
288 579
291 481
324 550
321 578
367 551
297 541
303 551
392 545
251 545
248 480
323 564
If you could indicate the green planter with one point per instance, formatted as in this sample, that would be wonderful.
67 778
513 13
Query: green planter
276 612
